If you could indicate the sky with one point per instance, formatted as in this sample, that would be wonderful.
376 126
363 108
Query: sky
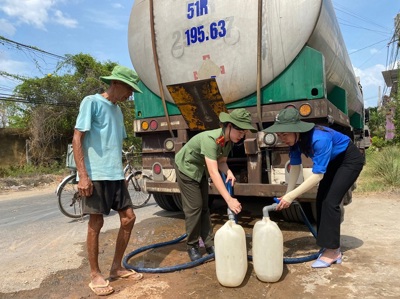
99 28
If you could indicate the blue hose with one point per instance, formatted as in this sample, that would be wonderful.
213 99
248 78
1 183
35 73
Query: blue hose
210 256
163 269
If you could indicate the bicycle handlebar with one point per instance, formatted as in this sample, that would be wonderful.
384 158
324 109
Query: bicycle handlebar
130 150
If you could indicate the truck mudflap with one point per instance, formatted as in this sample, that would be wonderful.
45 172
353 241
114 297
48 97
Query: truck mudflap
240 189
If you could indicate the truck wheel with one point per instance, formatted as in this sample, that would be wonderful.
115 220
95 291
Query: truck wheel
342 204
177 200
293 213
166 202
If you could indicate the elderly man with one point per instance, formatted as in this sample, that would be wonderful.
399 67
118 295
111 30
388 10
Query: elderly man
97 144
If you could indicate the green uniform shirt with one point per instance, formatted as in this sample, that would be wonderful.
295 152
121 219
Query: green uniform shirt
190 160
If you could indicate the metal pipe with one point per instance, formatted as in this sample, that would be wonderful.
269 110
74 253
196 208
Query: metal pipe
155 57
259 70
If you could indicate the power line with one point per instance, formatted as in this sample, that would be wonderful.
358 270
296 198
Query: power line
17 99
384 40
353 15
32 48
363 28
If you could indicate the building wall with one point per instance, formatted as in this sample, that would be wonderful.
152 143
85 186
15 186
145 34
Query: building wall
13 148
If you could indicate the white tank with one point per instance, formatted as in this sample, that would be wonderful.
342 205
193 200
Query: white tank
230 254
198 39
267 250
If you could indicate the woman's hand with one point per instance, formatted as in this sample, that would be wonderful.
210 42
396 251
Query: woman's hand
283 204
234 205
230 177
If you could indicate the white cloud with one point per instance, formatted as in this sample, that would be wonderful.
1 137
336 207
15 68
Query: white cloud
36 12
373 51
61 19
6 27
117 5
12 67
32 12
107 20
371 76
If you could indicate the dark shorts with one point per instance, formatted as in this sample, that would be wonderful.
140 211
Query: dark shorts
107 195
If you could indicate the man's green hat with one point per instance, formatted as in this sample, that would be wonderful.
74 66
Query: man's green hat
241 118
288 120
124 74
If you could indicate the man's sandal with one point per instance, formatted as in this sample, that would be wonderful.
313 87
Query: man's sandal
131 275
101 289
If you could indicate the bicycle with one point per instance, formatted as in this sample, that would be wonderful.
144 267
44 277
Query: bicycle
135 179
69 200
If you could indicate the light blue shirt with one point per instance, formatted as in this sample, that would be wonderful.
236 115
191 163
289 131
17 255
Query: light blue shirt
103 124
326 145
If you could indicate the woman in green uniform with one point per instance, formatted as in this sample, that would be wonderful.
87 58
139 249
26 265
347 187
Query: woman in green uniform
204 156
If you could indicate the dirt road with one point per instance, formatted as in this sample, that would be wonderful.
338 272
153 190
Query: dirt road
370 269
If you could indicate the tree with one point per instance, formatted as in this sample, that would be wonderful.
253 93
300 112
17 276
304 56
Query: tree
377 118
52 103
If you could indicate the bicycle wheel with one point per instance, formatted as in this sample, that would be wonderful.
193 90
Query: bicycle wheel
139 198
69 200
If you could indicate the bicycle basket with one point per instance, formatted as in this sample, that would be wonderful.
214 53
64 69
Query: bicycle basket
70 161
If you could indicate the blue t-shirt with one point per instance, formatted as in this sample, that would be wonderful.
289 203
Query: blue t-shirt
326 145
103 124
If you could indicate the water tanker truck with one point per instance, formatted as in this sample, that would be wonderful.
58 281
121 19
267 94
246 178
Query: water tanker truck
198 58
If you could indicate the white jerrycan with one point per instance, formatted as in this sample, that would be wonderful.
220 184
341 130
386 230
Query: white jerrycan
267 248
230 253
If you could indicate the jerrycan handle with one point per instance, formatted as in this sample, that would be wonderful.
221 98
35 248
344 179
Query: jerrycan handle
228 185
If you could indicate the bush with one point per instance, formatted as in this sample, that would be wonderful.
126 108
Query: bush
28 170
378 142
386 165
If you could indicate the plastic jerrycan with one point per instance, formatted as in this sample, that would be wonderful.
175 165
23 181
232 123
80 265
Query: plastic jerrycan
267 248
230 252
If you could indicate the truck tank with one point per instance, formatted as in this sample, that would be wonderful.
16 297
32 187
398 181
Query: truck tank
208 38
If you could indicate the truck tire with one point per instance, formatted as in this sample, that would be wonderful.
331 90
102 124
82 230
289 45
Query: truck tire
293 213
166 202
177 200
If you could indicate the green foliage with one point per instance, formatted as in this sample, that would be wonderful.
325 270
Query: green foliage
128 111
386 165
377 119
53 103
382 170
29 170
378 142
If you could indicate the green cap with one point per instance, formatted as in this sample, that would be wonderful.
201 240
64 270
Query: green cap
288 120
241 118
124 74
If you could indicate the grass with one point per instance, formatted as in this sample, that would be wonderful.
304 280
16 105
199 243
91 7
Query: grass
29 170
381 172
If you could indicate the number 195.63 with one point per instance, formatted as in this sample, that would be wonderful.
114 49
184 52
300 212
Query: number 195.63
201 33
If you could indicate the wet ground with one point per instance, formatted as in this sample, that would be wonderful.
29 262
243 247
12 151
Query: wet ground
371 266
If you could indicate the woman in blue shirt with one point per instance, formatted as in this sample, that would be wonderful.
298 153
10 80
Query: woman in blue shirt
337 163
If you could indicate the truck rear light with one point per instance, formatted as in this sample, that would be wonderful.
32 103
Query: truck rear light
153 125
169 144
157 172
270 139
145 125
290 106
305 110
157 168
